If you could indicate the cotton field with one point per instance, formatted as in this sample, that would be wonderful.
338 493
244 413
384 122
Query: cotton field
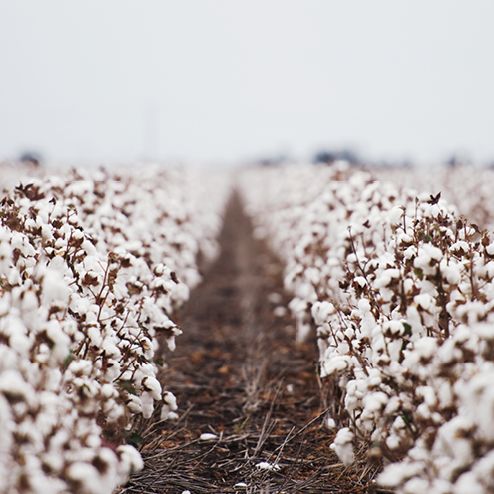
387 288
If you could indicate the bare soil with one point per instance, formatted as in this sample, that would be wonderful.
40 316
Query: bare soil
239 374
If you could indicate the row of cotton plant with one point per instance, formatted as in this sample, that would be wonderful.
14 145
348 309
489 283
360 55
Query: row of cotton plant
467 187
400 290
92 265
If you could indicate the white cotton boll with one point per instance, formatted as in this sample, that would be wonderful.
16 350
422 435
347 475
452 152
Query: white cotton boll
459 247
86 475
364 305
422 261
394 327
170 399
58 264
77 234
477 399
207 436
147 403
410 252
423 412
484 330
13 384
305 291
445 394
134 404
425 347
382 281
393 442
312 275
29 301
7 426
80 304
80 367
169 406
490 269
394 349
321 311
14 277
413 318
424 300
109 391
279 311
60 340
374 402
342 446
265 465
490 249
329 423
171 343
131 458
334 363
386 294
484 468
468 483
46 231
428 394
395 215
152 385
55 289
451 440
416 485
109 346
452 273
394 474
94 335
17 332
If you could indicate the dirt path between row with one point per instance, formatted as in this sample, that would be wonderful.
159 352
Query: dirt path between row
238 374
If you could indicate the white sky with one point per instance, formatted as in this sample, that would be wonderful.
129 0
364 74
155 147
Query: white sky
84 80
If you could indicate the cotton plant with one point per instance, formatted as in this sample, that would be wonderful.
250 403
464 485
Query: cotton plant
399 290
84 298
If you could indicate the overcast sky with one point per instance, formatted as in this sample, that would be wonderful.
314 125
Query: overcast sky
206 80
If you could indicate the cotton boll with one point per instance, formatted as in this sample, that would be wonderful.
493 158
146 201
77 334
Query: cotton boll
490 249
85 475
424 301
467 483
321 311
332 364
395 215
152 385
395 473
451 272
55 289
59 339
329 423
342 446
415 485
147 403
134 404
131 459
94 335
